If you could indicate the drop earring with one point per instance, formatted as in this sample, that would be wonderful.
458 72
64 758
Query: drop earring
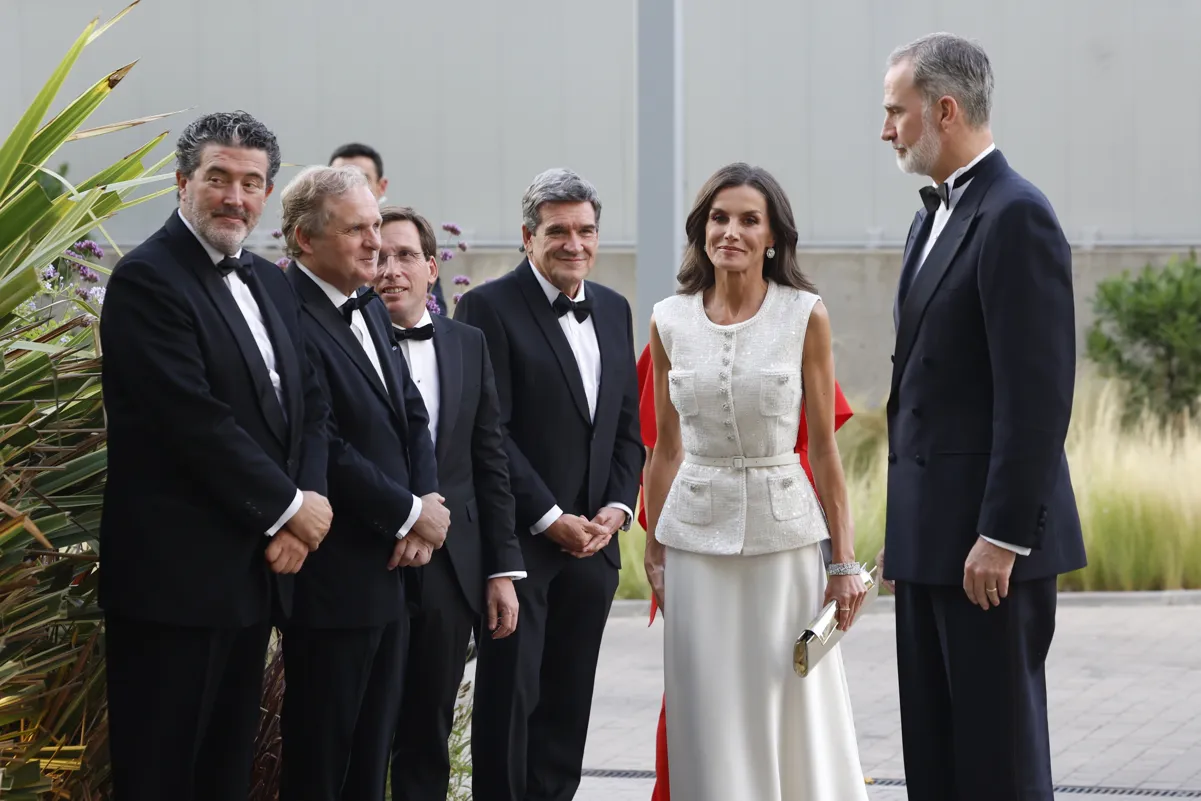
771 253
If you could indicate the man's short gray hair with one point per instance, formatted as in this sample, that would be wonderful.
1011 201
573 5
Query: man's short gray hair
228 129
304 197
948 65
557 185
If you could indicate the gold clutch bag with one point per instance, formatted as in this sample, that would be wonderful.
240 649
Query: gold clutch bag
822 634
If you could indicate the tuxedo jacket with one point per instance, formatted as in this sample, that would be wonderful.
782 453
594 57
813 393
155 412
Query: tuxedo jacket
557 454
982 383
202 458
473 470
380 456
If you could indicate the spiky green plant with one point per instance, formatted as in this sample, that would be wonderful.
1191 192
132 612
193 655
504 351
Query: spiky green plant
52 446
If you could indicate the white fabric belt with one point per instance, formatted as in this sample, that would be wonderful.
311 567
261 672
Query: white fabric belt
740 462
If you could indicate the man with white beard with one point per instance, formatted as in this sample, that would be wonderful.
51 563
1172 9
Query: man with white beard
981 515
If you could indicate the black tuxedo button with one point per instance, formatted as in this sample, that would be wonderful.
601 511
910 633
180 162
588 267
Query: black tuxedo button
927 361
916 412
921 460
892 458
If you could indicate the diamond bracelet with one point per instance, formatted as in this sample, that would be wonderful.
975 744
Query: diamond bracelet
843 569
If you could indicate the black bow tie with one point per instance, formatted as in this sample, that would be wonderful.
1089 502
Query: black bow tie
581 309
932 196
357 302
243 266
420 332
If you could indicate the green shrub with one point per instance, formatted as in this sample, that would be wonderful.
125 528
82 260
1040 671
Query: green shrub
1148 334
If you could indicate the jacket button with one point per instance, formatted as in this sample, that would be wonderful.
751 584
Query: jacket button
916 411
921 460
892 458
926 361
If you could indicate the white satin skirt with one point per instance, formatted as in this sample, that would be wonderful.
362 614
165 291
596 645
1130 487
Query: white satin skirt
741 725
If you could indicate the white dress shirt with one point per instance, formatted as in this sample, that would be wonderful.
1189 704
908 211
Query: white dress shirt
581 336
422 360
358 325
249 307
941 215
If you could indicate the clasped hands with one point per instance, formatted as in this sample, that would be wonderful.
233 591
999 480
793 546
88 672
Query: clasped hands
306 529
581 537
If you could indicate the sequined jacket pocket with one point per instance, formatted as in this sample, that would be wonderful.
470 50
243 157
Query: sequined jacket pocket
779 392
694 500
788 500
681 385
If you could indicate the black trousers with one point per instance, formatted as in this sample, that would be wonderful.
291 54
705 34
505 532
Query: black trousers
340 703
974 692
533 692
183 708
440 632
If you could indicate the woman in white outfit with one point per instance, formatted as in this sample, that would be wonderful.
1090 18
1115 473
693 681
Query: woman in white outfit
736 539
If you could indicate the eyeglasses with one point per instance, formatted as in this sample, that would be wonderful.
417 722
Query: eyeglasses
405 258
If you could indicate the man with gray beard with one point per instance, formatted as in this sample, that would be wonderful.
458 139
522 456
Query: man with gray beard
981 516
216 474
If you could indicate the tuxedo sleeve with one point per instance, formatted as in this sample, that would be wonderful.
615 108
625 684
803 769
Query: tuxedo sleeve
152 346
357 487
423 474
501 550
628 450
1025 287
530 493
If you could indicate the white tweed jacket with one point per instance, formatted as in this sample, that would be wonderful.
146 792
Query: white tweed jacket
737 389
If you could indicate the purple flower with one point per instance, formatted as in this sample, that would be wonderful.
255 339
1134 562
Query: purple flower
85 247
277 234
446 255
431 303
96 295
462 280
452 228
458 296
81 293
282 263
463 246
88 274
49 274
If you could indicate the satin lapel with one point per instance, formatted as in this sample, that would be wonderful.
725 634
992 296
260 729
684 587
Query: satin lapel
942 255
918 233
378 324
329 318
189 251
607 323
286 359
449 353
545 317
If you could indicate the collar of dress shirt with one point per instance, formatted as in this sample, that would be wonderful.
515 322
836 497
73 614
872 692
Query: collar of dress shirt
956 188
332 292
425 320
550 290
214 254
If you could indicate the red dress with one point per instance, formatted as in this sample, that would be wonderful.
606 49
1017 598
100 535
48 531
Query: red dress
646 419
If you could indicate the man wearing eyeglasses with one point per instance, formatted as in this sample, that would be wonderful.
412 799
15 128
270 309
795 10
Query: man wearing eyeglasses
449 363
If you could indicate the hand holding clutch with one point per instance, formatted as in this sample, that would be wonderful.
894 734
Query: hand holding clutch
822 633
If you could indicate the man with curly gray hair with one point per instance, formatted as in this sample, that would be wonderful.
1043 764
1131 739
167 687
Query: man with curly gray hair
216 473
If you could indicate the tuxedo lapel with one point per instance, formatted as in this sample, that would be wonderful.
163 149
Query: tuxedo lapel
919 232
940 259
449 353
608 339
286 360
546 319
317 304
190 252
379 325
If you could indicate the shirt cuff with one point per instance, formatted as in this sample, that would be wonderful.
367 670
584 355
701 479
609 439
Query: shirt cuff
1018 549
543 524
622 507
292 509
414 513
516 575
